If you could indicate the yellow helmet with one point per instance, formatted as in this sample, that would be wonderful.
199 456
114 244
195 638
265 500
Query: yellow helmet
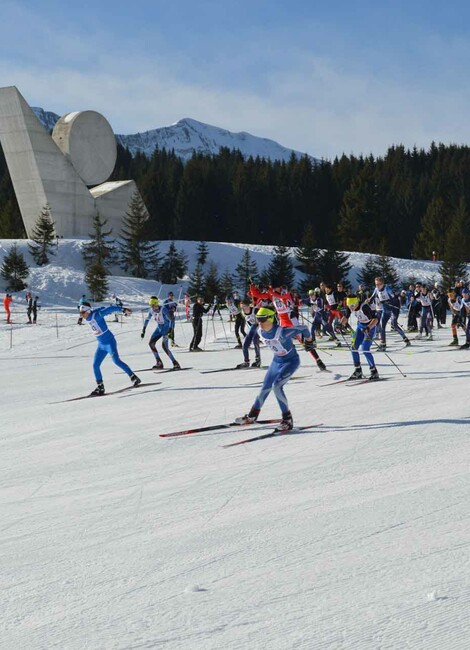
265 313
153 301
352 302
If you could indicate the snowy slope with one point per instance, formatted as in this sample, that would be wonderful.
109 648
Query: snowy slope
351 535
188 136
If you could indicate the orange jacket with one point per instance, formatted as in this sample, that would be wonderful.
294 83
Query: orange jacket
7 302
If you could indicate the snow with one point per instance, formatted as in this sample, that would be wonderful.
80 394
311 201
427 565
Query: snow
353 534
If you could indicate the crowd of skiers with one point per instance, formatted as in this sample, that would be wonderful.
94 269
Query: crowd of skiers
32 307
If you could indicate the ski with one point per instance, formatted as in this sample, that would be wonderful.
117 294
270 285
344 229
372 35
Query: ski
271 434
113 392
157 370
208 372
214 427
358 382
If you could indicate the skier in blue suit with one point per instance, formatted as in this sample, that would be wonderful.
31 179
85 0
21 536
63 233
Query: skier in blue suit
106 342
285 362
163 315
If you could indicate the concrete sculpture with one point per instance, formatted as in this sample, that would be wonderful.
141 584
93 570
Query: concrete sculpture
66 170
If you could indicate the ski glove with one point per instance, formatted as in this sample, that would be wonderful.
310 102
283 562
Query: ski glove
142 334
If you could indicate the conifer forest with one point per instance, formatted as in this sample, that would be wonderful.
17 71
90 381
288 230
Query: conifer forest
402 204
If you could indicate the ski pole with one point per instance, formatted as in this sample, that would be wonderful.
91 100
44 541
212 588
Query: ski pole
390 359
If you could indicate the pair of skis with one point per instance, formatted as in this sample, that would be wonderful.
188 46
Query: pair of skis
355 382
113 392
231 425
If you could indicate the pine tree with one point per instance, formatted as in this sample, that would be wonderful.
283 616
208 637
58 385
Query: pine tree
434 227
14 270
101 248
307 257
281 267
137 254
378 266
43 236
196 284
453 266
202 253
212 282
173 266
96 278
333 266
246 271
226 284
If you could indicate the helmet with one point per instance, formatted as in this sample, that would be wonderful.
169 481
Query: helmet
265 313
352 302
317 290
311 292
153 301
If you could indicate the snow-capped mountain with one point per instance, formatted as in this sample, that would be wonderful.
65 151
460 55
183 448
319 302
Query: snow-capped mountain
188 136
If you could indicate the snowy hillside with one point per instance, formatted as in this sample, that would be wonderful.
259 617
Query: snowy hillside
62 281
189 136
352 534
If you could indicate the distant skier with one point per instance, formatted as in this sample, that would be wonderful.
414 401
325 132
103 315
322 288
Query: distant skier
199 309
29 306
106 342
367 321
161 314
7 306
117 301
34 309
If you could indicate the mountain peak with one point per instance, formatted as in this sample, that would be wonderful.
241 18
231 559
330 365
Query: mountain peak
188 136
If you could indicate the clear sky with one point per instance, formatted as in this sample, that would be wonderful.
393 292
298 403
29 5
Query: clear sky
321 77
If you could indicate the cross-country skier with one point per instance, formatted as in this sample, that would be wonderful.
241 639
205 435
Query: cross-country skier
249 313
285 362
455 306
162 315
172 306
7 306
391 308
282 302
199 309
427 317
362 338
106 342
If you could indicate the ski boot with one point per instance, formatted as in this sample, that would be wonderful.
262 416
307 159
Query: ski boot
374 375
99 390
287 423
135 380
245 364
321 365
158 365
407 342
455 341
465 346
256 363
429 337
357 374
250 418
382 346
176 365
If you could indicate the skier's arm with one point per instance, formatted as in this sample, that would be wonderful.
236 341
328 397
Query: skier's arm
256 293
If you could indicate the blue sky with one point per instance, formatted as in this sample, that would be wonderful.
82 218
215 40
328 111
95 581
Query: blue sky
352 77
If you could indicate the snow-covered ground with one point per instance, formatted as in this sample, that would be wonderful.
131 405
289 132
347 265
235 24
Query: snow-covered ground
353 534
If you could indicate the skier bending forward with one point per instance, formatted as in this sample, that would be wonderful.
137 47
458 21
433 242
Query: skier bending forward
285 362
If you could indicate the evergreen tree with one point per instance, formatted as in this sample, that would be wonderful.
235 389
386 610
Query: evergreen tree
14 270
333 266
196 284
246 271
453 266
137 254
434 227
281 267
173 266
378 266
225 285
212 282
307 257
96 278
43 236
101 248
202 253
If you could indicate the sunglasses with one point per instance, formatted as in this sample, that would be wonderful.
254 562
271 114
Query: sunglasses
263 319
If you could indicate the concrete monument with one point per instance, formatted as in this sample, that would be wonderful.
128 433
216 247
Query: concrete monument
66 170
